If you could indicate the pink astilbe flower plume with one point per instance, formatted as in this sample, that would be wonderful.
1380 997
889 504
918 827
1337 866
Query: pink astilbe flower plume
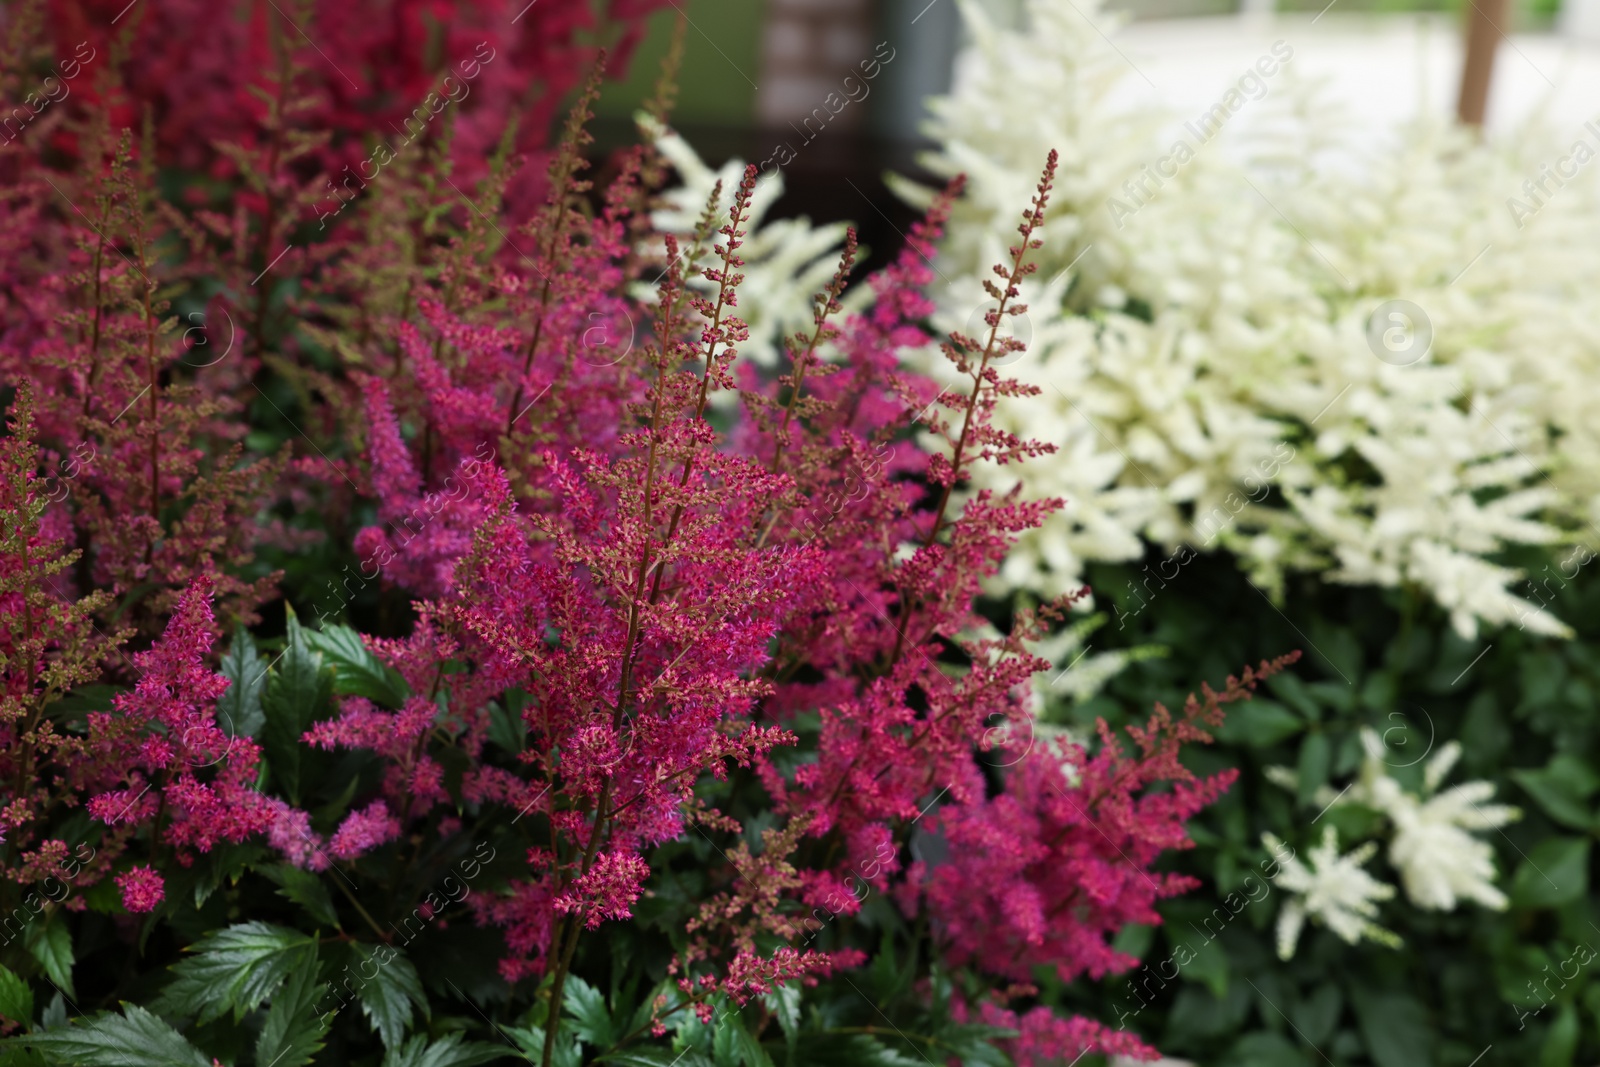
183 773
142 889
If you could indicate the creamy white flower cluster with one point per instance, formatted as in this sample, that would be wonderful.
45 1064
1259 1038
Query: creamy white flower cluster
1205 361
1441 863
786 261
1334 890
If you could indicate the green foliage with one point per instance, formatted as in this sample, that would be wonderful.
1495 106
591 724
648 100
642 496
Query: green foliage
239 710
388 991
50 943
135 1038
1515 986
293 1030
236 969
357 672
299 691
16 998
450 1051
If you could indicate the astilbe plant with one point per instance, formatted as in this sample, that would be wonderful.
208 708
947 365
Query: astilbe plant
204 68
663 601
145 451
716 673
156 758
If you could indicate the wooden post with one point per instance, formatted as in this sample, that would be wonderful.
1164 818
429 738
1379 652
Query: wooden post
1486 21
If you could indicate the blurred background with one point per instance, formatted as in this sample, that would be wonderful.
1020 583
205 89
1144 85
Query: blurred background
755 70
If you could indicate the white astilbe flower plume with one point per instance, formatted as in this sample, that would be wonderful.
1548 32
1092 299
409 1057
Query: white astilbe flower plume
1203 362
786 261
1439 860
1333 891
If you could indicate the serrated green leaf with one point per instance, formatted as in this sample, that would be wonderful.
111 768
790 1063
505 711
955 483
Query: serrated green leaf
239 711
506 729
851 1050
652 1056
530 1039
236 968
298 691
16 998
18 1056
86 698
306 889
55 1013
646 1009
293 1030
749 1050
358 671
135 1038
725 1041
587 1007
975 1043
51 944
389 987
450 1051
784 1003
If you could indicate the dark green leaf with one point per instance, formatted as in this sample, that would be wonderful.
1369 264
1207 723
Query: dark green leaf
1315 754
651 1056
55 1012
1290 689
750 1052
358 671
1263 1049
1394 1026
134 1039
1199 956
851 1050
1561 1040
86 698
587 1006
239 709
1317 1015
1134 939
646 1009
1556 872
16 999
975 1043
19 1056
1259 723
50 943
450 1051
1562 789
506 728
530 1039
293 1030
236 969
306 889
389 987
725 1041
298 692
784 1001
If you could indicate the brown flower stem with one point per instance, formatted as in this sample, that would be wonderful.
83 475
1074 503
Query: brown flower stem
958 456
